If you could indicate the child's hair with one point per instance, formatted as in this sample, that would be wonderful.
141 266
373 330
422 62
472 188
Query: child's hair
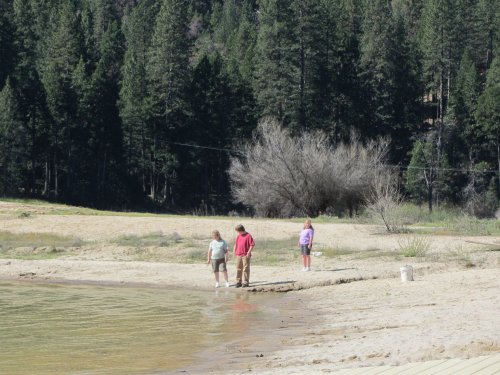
308 221
240 228
216 233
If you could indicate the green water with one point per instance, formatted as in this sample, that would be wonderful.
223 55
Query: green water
62 329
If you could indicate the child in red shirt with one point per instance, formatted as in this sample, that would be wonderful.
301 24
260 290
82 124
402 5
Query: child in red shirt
243 247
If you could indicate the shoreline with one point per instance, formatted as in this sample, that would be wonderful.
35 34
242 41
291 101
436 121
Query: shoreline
356 313
448 311
255 343
195 276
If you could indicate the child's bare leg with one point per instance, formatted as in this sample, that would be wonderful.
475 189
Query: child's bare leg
304 260
216 274
308 261
225 276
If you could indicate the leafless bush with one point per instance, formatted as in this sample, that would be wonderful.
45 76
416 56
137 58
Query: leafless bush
279 175
383 201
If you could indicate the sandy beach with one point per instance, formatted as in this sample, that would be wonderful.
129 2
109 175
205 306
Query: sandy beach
358 312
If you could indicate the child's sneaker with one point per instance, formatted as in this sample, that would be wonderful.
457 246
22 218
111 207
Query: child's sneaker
227 284
307 269
217 285
304 269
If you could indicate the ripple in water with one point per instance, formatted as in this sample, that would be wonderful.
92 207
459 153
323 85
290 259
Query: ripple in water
60 329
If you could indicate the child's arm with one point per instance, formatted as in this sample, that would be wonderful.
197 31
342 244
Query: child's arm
311 240
252 245
249 254
209 255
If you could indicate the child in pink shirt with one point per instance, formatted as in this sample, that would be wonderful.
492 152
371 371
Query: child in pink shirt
243 247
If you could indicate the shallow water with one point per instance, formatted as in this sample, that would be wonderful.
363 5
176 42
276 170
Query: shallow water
66 329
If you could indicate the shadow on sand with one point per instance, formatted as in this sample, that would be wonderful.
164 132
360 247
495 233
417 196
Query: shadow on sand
263 283
334 270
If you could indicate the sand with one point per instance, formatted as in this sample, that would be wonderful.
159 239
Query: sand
386 322
359 312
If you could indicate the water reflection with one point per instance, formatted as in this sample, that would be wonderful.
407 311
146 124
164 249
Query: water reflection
54 329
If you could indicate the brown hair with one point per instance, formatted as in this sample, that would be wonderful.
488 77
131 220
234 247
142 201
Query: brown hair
240 228
216 233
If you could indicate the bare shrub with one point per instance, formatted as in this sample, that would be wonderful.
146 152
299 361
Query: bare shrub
279 175
384 200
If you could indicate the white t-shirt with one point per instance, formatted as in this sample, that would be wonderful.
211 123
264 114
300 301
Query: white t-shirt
218 248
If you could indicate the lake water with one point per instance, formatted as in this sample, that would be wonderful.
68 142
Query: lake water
67 329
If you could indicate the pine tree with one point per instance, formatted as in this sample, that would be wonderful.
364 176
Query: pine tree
488 18
389 71
313 64
491 198
60 60
463 105
213 120
97 139
168 75
277 62
106 131
105 13
414 178
30 88
13 151
345 92
427 176
488 114
225 21
137 29
408 86
7 53
241 46
437 46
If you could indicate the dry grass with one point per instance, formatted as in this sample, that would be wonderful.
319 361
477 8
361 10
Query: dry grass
414 246
10 240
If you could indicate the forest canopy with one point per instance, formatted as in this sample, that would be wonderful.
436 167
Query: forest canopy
143 103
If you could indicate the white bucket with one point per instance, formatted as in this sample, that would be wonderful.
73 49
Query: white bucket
406 273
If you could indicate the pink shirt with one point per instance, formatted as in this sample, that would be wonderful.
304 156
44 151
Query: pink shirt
243 243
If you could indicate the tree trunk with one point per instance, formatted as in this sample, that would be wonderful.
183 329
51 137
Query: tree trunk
498 160
56 178
302 81
47 177
33 160
429 197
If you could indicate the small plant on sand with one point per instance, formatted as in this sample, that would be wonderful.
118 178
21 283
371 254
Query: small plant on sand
414 246
463 256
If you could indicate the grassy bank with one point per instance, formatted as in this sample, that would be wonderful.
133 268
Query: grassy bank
408 217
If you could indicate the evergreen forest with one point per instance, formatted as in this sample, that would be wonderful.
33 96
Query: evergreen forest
142 103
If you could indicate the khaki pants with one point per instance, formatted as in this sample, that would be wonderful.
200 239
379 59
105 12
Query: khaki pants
242 266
